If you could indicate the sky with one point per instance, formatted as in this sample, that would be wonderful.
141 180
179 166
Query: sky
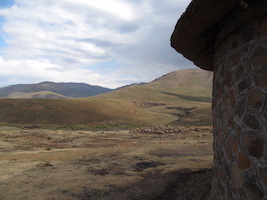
110 43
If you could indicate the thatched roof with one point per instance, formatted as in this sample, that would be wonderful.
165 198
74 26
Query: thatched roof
195 31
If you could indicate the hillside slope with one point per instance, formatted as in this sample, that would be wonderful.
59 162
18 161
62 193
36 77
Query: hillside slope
74 112
193 85
51 90
185 94
181 97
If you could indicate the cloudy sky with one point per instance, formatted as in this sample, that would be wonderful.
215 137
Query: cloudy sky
100 42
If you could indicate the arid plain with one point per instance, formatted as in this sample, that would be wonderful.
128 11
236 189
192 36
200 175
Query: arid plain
42 164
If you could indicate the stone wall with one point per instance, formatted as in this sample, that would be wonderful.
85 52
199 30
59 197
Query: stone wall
240 108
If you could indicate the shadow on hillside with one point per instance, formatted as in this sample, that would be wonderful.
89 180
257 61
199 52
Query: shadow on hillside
190 98
181 185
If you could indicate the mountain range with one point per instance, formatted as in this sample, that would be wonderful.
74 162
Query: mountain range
51 90
181 97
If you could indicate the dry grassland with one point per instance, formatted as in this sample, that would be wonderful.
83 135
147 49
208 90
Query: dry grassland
40 164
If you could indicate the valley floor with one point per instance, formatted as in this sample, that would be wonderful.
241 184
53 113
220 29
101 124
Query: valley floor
41 164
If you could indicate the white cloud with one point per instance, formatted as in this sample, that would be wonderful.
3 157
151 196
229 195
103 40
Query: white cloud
25 71
119 8
63 40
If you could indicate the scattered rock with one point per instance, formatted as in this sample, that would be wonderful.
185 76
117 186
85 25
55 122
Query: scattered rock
162 129
148 104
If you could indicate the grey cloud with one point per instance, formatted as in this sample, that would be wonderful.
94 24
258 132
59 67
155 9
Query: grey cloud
128 28
153 56
97 42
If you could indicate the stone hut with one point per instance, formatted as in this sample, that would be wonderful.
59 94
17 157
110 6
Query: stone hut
229 37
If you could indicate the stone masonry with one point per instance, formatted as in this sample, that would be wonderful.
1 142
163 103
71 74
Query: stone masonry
230 38
240 111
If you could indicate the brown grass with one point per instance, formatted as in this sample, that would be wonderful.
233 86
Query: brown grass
40 164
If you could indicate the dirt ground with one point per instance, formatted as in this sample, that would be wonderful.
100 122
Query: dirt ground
41 164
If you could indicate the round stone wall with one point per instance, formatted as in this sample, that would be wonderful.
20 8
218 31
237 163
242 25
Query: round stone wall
240 113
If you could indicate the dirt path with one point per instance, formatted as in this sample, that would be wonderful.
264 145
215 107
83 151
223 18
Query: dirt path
39 164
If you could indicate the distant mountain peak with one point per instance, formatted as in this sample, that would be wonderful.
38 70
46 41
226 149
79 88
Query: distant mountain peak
45 82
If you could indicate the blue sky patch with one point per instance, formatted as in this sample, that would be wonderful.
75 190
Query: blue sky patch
6 3
2 43
2 40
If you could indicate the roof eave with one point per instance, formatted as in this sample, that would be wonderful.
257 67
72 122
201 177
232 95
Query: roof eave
192 36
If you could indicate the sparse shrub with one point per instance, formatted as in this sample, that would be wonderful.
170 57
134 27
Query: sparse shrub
47 164
32 126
